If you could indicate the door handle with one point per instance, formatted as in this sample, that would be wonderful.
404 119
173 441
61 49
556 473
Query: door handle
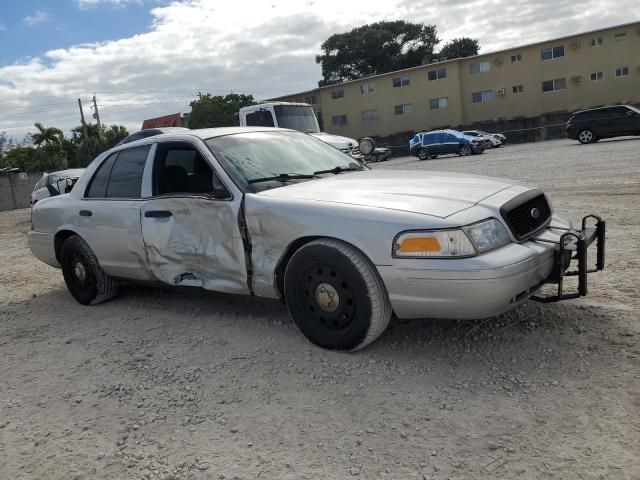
85 213
157 214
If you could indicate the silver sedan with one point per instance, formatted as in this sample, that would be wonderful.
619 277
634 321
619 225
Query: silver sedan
277 213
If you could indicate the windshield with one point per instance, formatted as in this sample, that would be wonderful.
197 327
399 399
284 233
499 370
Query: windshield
258 155
297 117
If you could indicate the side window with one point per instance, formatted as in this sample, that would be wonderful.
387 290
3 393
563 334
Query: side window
430 138
452 138
98 186
179 168
125 180
260 118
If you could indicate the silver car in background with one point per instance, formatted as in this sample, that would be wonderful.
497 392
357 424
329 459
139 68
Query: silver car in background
280 214
54 183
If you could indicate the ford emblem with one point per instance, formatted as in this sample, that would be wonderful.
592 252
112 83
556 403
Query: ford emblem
535 213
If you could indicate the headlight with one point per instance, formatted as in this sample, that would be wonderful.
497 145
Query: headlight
487 235
459 242
435 243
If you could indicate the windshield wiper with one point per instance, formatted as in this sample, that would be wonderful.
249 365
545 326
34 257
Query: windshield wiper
282 177
337 170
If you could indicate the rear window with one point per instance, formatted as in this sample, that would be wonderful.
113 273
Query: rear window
125 180
98 186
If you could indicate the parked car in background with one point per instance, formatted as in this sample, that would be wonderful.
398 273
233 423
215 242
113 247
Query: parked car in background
588 126
280 214
55 183
490 140
427 145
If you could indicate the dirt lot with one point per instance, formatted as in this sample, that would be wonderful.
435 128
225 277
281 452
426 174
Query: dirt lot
177 384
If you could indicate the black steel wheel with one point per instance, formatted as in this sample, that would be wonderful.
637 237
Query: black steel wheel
86 281
335 296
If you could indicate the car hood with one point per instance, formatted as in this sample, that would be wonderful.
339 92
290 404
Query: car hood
336 140
438 194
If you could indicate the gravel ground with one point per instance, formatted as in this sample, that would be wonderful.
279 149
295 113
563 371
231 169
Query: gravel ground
188 384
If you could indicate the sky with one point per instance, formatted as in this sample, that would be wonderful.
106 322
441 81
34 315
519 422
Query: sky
146 58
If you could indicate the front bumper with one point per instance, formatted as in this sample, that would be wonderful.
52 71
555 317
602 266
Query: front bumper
491 283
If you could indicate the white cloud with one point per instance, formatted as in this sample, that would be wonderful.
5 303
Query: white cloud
262 48
38 17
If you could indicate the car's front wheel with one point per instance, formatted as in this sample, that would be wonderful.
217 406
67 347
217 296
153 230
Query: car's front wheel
465 150
423 154
335 295
586 136
86 281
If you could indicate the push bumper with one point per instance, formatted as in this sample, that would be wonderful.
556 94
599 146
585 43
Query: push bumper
494 282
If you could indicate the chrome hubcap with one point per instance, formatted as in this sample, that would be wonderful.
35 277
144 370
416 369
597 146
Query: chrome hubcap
80 272
327 297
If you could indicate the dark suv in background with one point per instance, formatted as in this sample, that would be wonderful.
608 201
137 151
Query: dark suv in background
588 126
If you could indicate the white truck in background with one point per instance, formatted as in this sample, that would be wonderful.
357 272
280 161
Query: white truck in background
301 117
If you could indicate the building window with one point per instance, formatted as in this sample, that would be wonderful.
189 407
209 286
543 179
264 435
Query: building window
366 88
480 67
554 85
552 52
311 100
369 115
437 74
401 82
595 76
618 37
482 97
622 71
439 103
516 58
595 42
336 94
402 109
339 119
517 89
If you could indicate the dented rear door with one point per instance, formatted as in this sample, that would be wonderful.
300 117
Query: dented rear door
191 234
195 242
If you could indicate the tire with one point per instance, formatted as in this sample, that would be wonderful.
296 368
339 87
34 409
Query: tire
488 144
317 273
465 150
423 154
586 136
86 281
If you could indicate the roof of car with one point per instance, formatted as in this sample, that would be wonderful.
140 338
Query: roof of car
206 133
70 172
589 110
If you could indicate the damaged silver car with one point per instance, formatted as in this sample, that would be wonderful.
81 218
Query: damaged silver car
277 213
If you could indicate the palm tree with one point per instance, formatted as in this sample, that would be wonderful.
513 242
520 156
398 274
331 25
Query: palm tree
47 135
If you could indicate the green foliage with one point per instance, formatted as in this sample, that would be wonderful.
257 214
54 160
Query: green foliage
376 48
459 48
55 152
217 111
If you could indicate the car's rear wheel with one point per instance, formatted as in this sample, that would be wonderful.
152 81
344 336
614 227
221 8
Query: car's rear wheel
86 281
586 136
335 296
423 154
465 150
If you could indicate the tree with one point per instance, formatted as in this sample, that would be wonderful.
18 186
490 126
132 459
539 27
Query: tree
217 111
113 135
46 136
459 48
376 48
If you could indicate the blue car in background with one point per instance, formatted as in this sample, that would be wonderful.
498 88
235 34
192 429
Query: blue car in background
427 145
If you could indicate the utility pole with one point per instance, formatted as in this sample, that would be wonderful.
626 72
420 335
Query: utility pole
84 124
96 115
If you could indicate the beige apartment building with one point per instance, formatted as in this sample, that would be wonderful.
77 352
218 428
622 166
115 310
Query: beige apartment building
565 74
